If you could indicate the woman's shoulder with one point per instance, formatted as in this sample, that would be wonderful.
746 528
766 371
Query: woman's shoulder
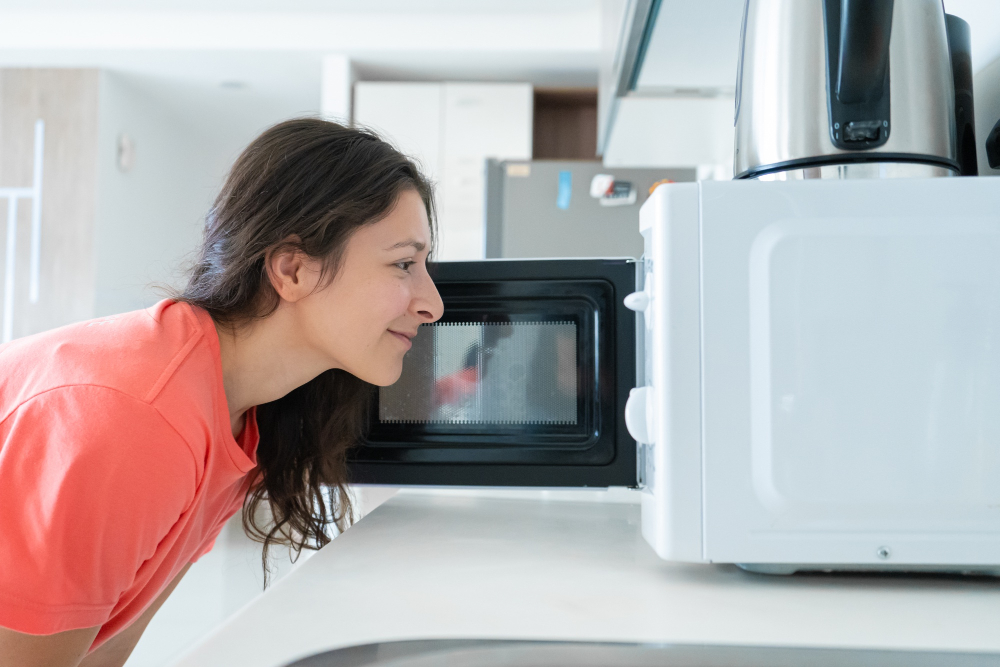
130 353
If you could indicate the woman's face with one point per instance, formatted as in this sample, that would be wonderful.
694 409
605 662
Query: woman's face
364 319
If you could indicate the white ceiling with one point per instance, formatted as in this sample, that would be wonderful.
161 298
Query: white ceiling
364 6
180 51
184 52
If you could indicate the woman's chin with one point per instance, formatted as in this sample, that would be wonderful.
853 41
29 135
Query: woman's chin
382 377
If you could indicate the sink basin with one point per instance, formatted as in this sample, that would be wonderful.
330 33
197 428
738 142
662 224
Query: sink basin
515 653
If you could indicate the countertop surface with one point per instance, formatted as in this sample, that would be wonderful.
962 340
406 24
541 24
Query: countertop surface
429 567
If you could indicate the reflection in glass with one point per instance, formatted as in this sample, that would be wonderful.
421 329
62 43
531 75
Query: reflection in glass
487 373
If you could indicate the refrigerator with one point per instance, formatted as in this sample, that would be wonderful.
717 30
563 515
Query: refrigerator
544 208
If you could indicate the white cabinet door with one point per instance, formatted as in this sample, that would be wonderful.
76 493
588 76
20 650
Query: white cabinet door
481 120
406 114
451 129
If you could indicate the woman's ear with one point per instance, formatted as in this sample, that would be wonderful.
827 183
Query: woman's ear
293 274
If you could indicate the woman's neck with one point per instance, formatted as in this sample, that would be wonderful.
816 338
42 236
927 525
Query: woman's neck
263 362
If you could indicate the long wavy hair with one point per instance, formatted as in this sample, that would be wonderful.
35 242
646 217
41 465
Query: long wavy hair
304 184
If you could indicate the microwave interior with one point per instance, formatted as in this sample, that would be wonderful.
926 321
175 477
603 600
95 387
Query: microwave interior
521 382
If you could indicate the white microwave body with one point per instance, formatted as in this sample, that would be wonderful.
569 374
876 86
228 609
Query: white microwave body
821 374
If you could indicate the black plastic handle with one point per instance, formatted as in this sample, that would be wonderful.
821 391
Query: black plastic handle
993 147
865 27
960 47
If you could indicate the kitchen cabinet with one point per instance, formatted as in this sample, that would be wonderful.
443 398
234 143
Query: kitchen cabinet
66 101
451 129
408 114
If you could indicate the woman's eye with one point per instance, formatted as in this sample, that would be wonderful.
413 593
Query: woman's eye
405 266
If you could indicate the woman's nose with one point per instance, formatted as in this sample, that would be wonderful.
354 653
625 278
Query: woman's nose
428 301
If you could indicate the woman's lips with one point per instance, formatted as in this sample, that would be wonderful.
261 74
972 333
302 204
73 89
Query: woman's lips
403 337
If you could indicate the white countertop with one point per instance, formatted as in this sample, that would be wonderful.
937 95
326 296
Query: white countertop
428 567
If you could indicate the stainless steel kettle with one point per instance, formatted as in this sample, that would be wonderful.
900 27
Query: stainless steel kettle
845 89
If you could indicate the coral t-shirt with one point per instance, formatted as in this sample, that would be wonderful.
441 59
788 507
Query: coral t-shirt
118 466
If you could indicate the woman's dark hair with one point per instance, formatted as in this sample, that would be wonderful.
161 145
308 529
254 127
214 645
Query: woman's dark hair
305 184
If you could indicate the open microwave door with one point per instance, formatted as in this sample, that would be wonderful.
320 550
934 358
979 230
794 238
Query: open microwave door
523 381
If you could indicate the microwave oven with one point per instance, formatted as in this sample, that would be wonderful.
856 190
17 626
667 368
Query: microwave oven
796 375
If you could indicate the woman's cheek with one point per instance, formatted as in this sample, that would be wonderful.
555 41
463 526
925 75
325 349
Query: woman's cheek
399 301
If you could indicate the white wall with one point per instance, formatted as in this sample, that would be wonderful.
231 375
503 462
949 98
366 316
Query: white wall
983 17
148 222
149 219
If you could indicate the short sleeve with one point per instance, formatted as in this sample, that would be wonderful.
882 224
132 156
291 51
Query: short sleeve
205 549
91 481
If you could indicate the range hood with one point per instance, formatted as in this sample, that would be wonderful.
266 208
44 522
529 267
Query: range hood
666 82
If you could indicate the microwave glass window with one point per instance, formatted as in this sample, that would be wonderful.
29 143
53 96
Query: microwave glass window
470 373
512 367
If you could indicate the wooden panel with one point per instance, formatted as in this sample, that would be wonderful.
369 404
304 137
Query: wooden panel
67 100
565 125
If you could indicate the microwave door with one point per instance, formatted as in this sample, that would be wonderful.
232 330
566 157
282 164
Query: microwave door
523 381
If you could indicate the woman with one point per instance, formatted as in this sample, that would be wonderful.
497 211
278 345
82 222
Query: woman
127 442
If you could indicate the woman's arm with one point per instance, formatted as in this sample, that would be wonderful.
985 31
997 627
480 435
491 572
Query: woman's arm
63 649
115 651
67 649
95 497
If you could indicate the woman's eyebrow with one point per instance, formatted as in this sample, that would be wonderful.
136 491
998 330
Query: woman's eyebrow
403 244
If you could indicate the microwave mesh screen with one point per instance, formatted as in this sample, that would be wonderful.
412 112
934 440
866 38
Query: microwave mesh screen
486 373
